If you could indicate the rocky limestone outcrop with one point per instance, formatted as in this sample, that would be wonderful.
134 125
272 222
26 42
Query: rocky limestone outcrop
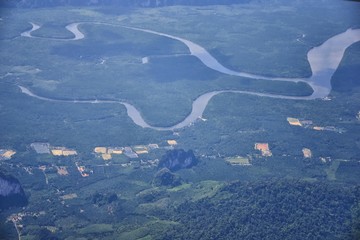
11 192
164 177
177 159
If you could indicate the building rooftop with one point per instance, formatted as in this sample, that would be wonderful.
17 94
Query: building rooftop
100 149
6 154
140 149
294 121
172 142
106 156
153 146
264 148
130 153
62 151
41 148
307 153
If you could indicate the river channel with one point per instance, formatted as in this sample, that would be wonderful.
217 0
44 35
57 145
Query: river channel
323 60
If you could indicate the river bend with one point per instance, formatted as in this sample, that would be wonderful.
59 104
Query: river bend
323 60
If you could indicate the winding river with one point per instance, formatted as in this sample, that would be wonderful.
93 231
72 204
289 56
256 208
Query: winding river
323 60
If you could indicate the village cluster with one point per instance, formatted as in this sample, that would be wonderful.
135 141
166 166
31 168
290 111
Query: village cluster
105 153
264 152
265 149
133 152
309 124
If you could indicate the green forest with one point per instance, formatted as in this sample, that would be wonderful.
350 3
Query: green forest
274 209
208 180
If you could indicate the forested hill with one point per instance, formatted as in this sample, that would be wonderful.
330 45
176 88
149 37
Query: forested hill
275 209
119 3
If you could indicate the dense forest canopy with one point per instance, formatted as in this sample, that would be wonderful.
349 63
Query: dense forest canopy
275 209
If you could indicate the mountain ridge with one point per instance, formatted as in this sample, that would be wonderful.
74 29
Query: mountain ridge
123 3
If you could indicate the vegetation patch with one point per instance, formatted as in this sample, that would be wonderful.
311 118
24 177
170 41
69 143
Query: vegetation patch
277 209
96 229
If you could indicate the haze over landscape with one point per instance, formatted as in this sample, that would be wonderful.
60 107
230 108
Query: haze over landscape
179 119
